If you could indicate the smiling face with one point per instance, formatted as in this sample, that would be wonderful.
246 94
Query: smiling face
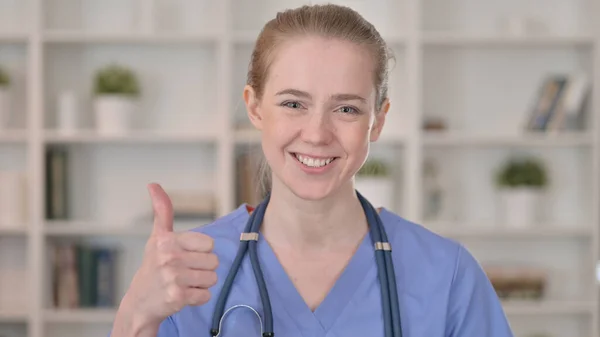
317 114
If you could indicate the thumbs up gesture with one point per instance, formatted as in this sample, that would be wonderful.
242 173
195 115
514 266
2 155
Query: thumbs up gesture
177 270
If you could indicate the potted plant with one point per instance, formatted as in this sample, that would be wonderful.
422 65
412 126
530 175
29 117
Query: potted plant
374 182
5 82
116 90
521 182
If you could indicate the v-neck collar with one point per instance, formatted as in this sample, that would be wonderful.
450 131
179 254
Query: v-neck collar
279 284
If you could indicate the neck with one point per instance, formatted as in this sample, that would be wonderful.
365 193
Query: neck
335 222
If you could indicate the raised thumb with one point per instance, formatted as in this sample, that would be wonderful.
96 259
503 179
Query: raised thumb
162 208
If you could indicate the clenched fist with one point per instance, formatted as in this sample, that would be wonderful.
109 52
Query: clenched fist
177 270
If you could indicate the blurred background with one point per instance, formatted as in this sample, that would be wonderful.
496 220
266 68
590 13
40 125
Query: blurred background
492 140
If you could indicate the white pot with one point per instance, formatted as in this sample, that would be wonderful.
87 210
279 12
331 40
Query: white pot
67 112
519 206
4 108
379 191
114 114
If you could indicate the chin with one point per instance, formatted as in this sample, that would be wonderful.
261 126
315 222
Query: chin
310 190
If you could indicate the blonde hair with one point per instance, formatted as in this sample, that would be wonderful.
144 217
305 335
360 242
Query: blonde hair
328 21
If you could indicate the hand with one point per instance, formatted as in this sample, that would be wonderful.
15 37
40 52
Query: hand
177 270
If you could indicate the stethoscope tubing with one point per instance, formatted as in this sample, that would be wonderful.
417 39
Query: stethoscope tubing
383 257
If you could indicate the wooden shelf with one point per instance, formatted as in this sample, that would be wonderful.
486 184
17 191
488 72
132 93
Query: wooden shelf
16 230
93 228
455 138
91 315
13 37
451 39
500 232
135 137
13 136
191 83
11 316
75 37
549 308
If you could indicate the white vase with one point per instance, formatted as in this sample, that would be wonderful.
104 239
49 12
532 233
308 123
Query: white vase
519 206
114 114
67 112
5 106
378 190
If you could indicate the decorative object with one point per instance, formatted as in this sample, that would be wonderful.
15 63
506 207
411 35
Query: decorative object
193 204
431 123
518 283
521 182
67 112
12 199
374 182
515 25
5 104
117 90
433 190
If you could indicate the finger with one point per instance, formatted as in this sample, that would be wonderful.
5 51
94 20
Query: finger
196 278
163 209
197 296
195 242
196 260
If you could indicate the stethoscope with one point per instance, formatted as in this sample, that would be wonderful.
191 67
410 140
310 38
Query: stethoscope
383 257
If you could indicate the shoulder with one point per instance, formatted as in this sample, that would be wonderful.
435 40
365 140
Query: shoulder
412 237
434 259
225 232
227 225
442 274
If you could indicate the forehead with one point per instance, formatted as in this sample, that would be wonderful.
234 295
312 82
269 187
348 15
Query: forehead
322 67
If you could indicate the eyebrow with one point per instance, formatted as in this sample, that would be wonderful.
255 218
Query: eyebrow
337 97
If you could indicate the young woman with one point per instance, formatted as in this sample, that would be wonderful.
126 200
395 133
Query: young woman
316 259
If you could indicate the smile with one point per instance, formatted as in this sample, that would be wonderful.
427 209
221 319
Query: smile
313 162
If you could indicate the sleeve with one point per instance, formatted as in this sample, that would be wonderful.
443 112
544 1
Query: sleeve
474 309
166 329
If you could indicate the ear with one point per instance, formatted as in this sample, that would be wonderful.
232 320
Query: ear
252 107
379 121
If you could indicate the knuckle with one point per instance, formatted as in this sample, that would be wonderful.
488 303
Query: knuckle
204 296
166 258
200 296
175 296
169 276
164 242
210 243
212 261
211 278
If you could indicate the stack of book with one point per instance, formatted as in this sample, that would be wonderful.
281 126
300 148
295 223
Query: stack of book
83 276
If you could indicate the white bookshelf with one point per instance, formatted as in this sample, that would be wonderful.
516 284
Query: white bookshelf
192 69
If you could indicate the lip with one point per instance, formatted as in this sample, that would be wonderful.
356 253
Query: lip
311 156
313 170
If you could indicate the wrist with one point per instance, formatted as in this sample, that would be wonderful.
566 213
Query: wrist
129 322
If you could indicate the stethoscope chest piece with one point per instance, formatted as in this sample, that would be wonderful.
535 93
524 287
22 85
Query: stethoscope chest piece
238 306
248 242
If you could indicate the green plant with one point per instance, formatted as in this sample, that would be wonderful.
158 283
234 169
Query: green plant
522 172
4 78
374 168
116 79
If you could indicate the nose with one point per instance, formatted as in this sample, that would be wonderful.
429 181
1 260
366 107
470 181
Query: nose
317 130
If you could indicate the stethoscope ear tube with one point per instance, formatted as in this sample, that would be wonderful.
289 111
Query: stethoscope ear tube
251 227
383 257
264 293
385 267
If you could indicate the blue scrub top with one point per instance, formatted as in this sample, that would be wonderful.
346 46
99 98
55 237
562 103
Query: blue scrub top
443 291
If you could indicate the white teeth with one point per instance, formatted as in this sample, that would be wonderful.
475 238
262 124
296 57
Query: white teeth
312 162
